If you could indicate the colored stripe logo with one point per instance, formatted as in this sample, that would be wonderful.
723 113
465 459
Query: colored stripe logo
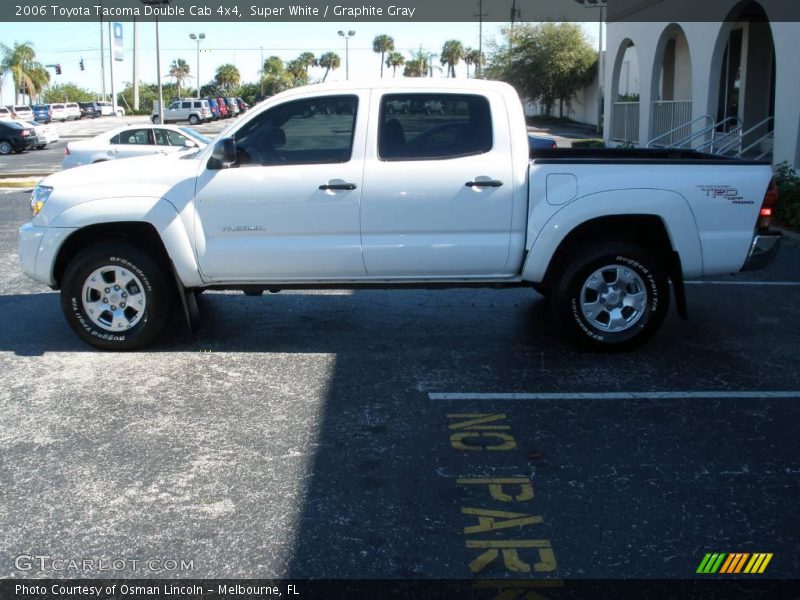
733 563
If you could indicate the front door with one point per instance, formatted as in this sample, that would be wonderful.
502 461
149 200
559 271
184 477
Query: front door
438 187
289 208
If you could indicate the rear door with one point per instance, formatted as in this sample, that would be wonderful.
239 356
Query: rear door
438 188
288 209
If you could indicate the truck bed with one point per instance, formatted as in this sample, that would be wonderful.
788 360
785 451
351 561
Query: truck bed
634 156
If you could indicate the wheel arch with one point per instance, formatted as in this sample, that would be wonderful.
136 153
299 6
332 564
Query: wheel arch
156 228
646 230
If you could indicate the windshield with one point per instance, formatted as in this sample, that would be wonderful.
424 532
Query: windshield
197 136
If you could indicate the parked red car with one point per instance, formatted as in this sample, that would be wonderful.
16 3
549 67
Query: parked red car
223 108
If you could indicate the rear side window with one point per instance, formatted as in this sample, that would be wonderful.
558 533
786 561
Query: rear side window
167 137
433 126
303 132
186 105
138 137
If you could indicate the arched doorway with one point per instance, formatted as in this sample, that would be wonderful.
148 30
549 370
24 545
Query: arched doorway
625 94
743 80
672 88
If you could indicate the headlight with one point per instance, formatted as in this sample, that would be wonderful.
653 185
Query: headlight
39 196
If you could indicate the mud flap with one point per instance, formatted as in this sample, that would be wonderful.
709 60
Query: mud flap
189 304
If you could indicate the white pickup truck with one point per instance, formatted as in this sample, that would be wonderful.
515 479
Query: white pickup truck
326 186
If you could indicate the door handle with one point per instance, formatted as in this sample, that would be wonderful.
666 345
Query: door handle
338 186
484 183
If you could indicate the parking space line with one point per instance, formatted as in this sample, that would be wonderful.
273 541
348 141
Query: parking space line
775 283
697 395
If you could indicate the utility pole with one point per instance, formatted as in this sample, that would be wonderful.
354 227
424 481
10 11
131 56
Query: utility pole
480 16
516 13
135 64
198 38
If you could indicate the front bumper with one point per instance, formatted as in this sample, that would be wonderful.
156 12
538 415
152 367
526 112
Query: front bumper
763 250
38 248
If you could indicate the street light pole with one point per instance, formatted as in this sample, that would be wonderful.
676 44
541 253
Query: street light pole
158 62
347 37
198 38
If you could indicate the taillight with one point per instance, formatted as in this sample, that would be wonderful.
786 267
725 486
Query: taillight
66 150
768 205
25 132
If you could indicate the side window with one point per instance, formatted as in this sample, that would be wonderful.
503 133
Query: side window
198 105
167 137
175 106
186 105
433 126
136 137
303 132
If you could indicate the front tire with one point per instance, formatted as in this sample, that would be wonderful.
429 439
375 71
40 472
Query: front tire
613 296
115 297
5 147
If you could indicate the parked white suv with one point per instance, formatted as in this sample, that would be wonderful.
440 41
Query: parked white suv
59 112
22 112
107 110
73 110
188 109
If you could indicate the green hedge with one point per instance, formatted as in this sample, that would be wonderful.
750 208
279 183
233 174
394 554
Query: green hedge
787 212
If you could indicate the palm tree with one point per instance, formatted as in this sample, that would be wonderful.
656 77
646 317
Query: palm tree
382 44
298 72
394 60
329 61
19 60
227 76
419 63
307 59
179 69
40 77
474 57
452 53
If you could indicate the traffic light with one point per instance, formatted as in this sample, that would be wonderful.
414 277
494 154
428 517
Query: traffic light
82 67
58 69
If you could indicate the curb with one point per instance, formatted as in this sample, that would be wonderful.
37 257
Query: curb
27 184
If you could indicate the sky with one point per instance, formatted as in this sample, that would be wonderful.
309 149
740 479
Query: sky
239 43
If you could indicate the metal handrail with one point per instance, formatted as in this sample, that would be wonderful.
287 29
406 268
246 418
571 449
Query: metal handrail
713 129
765 121
706 116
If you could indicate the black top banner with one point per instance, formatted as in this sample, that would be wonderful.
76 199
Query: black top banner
392 10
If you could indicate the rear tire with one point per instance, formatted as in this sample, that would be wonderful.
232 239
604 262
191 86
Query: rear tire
612 296
121 277
154 119
193 120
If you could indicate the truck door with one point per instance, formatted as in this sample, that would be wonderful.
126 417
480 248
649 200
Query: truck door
288 209
438 188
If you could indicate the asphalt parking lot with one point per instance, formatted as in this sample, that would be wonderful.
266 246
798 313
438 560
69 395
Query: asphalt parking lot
400 434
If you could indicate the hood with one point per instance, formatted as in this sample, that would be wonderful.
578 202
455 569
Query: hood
141 176
168 177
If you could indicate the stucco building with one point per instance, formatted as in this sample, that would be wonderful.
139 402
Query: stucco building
730 85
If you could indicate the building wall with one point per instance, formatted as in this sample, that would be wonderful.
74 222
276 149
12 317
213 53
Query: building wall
583 108
705 45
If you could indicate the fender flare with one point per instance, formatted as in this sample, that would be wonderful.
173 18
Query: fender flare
158 212
669 206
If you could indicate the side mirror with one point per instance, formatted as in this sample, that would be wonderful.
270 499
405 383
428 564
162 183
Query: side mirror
223 155
189 143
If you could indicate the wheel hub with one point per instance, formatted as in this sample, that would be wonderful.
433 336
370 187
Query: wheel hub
613 298
113 298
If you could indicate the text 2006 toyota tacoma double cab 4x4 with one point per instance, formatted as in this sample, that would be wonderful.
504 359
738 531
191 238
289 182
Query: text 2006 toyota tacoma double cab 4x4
327 186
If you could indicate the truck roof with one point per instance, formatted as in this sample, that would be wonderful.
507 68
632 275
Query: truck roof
408 84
